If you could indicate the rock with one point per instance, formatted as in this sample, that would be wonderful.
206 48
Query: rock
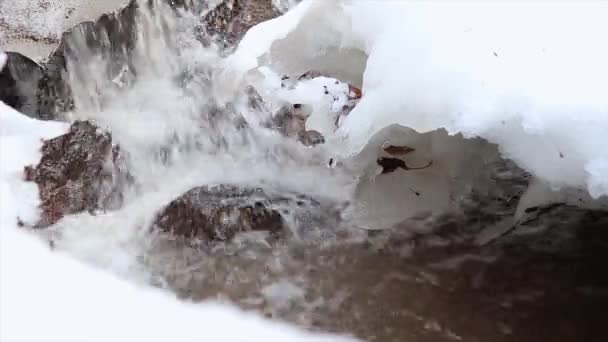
290 123
218 213
43 91
398 150
287 122
19 83
389 165
79 171
311 74
112 36
228 22
311 138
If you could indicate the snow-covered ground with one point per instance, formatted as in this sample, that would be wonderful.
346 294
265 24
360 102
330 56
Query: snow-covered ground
33 27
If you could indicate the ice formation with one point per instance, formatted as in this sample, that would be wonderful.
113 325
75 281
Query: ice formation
535 90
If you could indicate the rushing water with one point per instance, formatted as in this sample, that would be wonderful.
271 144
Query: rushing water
423 280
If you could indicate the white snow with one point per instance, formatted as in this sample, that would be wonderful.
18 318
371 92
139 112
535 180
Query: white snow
324 97
33 27
529 76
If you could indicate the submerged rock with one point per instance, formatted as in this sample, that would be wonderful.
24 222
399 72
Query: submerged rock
217 213
79 171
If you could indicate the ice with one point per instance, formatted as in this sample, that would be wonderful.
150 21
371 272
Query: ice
534 89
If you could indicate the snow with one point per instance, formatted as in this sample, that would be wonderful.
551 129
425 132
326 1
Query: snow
536 88
324 97
33 27
19 146
49 296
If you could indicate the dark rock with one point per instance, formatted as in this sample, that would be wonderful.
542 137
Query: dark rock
227 23
44 91
311 138
218 213
79 171
112 37
19 83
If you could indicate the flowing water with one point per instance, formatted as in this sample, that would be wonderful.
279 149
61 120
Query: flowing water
425 279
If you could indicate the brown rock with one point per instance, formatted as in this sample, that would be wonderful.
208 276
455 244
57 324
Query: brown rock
231 19
79 171
218 213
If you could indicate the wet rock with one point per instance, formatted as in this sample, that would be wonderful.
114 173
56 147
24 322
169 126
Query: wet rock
79 171
43 91
218 213
287 121
112 37
311 138
228 22
19 81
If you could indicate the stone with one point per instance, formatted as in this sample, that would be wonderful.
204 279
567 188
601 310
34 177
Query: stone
79 171
19 81
228 22
218 213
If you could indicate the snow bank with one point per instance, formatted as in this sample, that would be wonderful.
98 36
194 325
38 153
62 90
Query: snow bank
33 27
20 141
528 76
48 296
51 297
